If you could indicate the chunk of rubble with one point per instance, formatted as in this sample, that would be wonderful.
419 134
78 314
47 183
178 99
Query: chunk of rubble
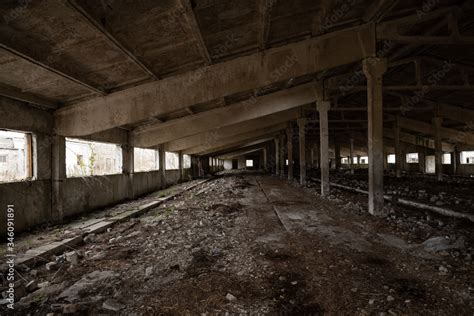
112 305
72 257
72 293
437 244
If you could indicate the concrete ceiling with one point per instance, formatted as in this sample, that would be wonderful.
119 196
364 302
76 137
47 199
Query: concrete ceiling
109 58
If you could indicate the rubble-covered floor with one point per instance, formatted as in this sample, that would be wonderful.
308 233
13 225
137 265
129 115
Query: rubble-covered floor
258 244
454 192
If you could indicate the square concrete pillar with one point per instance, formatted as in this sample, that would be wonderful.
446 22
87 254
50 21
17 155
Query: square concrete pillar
181 166
265 159
437 122
323 108
398 152
455 160
289 136
317 156
162 158
351 155
127 167
282 154
422 160
302 145
337 154
58 176
374 68
277 154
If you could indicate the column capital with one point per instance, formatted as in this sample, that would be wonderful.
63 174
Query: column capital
302 122
319 90
437 121
374 67
323 105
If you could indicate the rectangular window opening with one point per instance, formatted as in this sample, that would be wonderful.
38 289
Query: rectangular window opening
186 161
145 159
467 157
446 159
16 156
88 158
364 160
391 159
172 161
412 158
249 163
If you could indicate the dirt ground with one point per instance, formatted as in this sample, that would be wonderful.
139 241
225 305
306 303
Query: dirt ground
256 244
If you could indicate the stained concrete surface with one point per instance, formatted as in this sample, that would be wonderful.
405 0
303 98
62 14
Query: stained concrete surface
221 247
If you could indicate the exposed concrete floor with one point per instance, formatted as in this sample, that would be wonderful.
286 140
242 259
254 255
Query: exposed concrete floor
224 237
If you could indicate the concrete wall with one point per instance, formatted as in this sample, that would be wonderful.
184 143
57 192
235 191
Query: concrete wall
90 193
146 182
32 199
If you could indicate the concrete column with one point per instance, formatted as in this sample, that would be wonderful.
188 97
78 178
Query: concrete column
398 153
181 166
127 167
302 143
374 68
422 160
317 155
277 153
337 154
351 155
162 158
437 121
58 176
289 136
282 155
194 166
265 159
455 160
323 108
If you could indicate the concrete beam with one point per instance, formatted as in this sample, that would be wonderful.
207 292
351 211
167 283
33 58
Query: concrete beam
194 29
111 38
238 145
217 118
234 139
416 140
43 61
216 81
17 94
230 130
452 112
264 11
240 153
449 134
